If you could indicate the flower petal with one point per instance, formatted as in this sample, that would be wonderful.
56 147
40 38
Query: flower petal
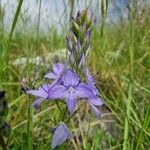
61 134
97 101
58 91
90 78
37 103
51 75
71 102
58 68
83 91
96 111
70 78
40 93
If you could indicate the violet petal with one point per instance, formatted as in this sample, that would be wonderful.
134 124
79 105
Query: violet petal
37 102
61 134
71 102
58 68
70 78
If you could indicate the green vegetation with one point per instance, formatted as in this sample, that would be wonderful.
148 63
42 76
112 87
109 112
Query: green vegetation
120 52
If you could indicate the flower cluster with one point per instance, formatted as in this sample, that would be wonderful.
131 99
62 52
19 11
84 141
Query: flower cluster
4 127
78 39
71 81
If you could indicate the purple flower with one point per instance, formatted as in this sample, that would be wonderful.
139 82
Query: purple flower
94 99
70 90
42 93
61 133
58 69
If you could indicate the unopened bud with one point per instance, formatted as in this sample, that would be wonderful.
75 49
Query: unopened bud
6 129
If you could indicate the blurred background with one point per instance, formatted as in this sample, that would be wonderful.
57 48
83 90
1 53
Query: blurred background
34 38
57 13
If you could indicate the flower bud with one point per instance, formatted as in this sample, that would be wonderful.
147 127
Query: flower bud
6 129
3 108
2 94
1 122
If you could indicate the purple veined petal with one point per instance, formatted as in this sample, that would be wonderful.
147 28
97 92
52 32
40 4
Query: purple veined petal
61 134
57 92
58 68
40 93
85 91
37 102
94 89
82 91
46 87
70 78
97 101
71 102
96 111
51 75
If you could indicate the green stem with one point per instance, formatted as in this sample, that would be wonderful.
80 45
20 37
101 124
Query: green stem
128 110
30 109
38 24
2 143
30 124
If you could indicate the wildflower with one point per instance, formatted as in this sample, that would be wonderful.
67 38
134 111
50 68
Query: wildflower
42 93
94 99
71 89
61 133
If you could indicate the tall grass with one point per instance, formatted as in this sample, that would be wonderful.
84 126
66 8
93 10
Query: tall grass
126 143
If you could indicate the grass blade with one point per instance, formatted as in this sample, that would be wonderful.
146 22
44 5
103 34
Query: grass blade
128 110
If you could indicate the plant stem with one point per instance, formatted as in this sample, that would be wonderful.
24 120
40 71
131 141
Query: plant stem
131 51
30 124
12 29
2 143
30 109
